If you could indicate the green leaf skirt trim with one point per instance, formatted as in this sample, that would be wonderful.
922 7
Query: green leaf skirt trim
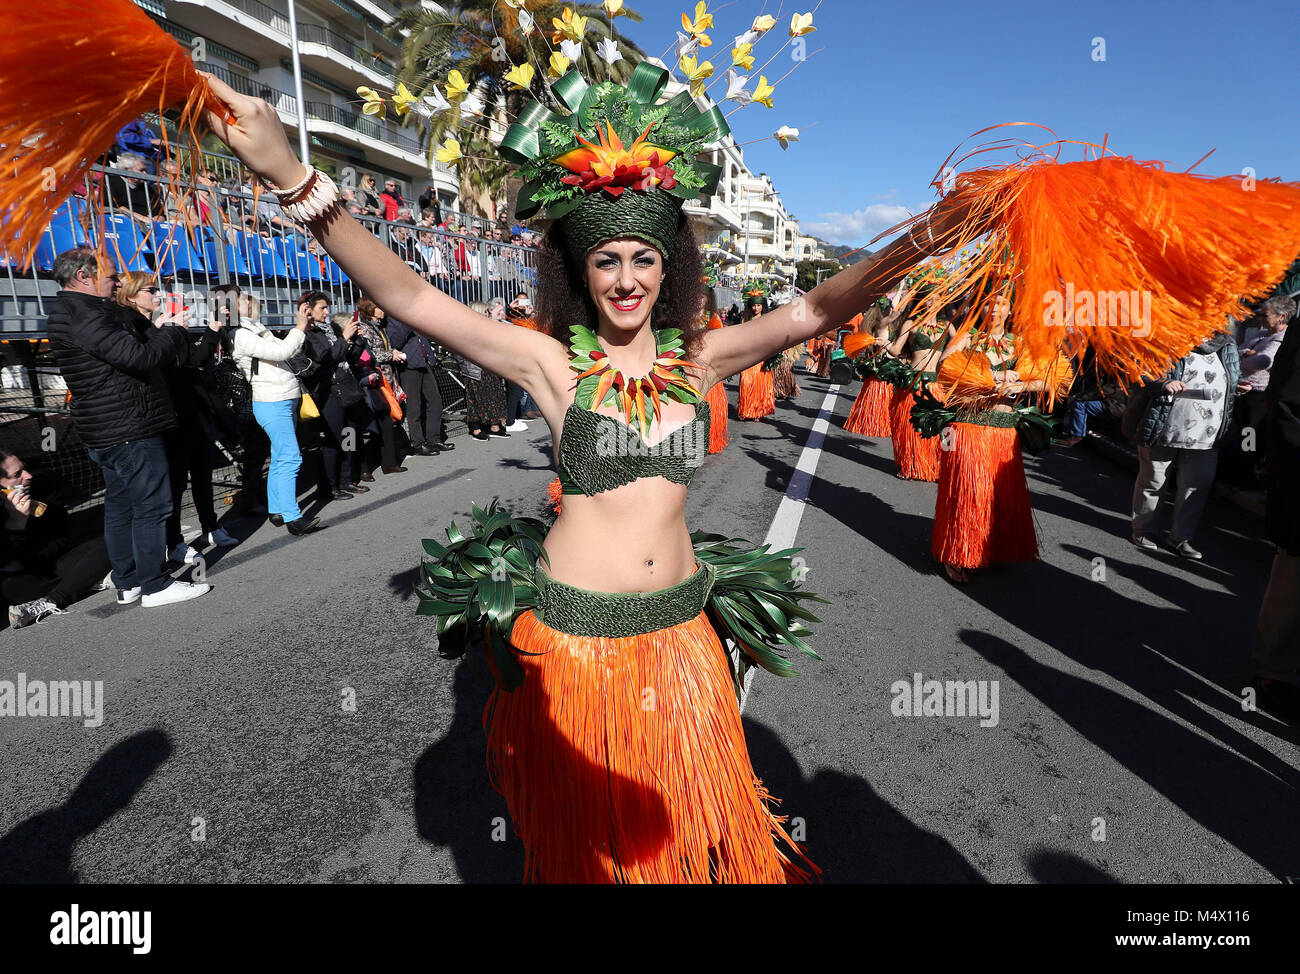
476 584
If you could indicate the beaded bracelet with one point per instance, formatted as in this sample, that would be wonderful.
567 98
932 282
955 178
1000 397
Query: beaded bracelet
283 194
310 199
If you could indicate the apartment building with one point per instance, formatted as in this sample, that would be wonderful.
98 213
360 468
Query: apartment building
341 44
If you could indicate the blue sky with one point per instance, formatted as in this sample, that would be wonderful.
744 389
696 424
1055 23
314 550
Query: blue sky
896 86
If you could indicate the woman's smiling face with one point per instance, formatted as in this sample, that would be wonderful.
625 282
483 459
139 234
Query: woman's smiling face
623 277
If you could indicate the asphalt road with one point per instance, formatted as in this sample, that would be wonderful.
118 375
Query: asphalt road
1121 751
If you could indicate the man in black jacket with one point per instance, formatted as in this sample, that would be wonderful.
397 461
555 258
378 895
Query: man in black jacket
120 409
423 400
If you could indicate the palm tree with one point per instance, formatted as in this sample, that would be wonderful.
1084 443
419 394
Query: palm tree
481 39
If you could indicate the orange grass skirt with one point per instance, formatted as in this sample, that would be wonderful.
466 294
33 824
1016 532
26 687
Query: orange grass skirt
870 413
917 457
983 513
624 760
716 397
757 396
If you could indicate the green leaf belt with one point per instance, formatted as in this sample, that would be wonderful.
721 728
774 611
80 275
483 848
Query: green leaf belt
583 612
477 584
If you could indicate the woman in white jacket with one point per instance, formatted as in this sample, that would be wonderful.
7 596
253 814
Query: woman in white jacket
277 393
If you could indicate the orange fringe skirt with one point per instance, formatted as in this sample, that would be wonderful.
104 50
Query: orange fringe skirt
983 512
757 397
870 413
717 400
623 759
917 457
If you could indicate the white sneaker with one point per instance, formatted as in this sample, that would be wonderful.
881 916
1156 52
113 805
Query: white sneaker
518 426
184 554
177 591
128 596
218 537
106 584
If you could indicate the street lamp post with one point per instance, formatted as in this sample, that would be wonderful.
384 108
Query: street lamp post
297 86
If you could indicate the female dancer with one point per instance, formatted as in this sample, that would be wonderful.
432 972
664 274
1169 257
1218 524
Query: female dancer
619 748
869 415
784 385
717 395
920 344
982 513
757 397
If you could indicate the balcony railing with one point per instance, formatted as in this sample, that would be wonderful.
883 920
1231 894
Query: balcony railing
364 124
279 19
313 34
282 100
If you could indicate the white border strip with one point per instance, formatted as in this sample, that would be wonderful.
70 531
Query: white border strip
785 523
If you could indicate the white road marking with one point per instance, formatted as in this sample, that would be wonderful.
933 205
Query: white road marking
785 523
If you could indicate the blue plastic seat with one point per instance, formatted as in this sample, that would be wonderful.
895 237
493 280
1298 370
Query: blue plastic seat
334 273
47 250
263 259
174 250
289 253
65 232
125 243
237 264
308 267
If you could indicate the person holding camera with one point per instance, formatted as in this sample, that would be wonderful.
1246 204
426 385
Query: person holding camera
382 388
121 410
189 447
43 569
272 366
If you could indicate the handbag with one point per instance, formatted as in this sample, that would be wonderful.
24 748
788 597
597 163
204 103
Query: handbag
394 409
234 391
307 407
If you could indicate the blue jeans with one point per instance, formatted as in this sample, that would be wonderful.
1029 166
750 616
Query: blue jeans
1076 417
137 503
279 419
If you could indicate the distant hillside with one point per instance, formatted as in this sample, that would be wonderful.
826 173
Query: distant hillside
837 252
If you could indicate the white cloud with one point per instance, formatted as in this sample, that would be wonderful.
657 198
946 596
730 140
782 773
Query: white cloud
857 227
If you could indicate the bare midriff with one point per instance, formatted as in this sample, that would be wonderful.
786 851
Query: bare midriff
630 539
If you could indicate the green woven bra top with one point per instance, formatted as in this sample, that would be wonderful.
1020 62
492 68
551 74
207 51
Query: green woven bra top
924 342
598 452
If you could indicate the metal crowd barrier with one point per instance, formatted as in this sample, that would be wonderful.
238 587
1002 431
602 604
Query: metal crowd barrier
227 237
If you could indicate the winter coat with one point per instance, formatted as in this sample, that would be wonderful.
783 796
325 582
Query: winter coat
271 382
114 375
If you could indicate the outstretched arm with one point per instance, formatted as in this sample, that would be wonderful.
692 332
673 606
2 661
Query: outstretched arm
257 137
726 351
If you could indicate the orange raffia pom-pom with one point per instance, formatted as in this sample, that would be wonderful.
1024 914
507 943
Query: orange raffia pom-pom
104 64
1137 263
857 342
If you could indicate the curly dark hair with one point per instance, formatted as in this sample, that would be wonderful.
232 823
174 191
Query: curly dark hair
563 298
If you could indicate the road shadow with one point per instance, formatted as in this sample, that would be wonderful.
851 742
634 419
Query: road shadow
852 834
455 803
40 849
1248 798
1056 866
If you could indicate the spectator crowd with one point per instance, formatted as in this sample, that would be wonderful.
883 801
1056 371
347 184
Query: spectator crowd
343 395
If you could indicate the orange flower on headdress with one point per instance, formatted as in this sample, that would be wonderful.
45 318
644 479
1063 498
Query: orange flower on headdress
613 167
